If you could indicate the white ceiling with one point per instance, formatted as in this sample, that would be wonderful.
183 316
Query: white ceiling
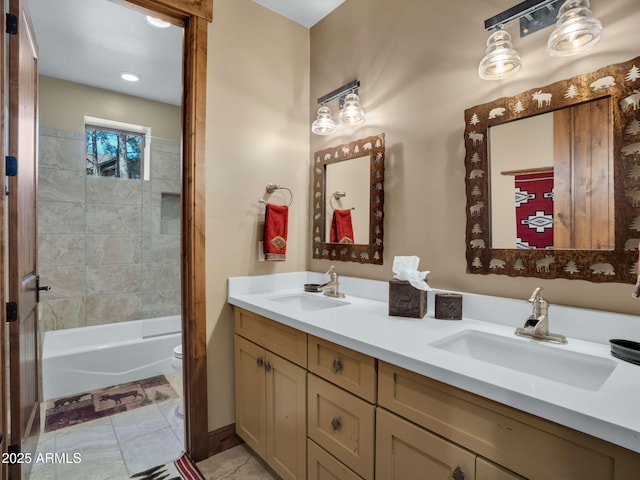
92 41
304 12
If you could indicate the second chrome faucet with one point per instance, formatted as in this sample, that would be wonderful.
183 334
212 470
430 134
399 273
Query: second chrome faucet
537 325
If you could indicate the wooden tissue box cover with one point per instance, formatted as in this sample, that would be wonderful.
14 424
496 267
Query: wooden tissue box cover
405 300
448 306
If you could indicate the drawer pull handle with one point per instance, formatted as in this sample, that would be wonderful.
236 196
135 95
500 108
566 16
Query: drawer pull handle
336 366
336 424
458 474
267 366
260 362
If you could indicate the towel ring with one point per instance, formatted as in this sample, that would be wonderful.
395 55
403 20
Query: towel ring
337 196
272 187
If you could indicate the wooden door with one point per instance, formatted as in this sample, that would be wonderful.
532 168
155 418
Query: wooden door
583 200
286 400
405 451
251 423
23 333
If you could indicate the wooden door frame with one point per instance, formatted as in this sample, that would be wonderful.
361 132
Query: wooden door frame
4 398
194 16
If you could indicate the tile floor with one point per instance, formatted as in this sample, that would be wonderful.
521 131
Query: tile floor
237 463
113 448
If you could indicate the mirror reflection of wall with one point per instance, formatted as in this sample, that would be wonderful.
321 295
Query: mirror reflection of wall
552 180
350 177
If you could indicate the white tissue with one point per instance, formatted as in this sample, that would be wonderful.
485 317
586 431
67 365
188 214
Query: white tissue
406 268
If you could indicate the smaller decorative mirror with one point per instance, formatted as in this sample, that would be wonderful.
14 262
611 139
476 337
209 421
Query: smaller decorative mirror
348 201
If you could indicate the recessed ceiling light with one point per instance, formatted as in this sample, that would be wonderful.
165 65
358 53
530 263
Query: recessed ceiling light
156 22
130 77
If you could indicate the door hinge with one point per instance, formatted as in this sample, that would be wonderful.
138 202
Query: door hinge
15 449
10 166
11 24
12 312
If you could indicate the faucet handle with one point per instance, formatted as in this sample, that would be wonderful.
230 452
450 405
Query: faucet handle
331 271
536 295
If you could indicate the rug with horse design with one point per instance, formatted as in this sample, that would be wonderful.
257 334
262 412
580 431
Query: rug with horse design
83 407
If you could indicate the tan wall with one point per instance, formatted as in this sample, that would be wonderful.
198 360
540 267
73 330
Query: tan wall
417 63
257 133
63 106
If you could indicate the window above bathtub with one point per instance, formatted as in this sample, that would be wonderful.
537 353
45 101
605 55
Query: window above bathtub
117 149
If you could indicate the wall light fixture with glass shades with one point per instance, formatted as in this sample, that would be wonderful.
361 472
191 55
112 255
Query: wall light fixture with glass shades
576 30
351 112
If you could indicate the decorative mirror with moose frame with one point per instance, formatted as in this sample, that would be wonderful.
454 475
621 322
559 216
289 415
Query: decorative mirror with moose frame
348 201
553 179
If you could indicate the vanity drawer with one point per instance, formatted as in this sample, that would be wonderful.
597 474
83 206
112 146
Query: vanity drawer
323 466
342 424
499 433
487 469
280 339
351 370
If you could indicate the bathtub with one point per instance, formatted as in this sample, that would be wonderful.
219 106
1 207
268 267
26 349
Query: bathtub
81 359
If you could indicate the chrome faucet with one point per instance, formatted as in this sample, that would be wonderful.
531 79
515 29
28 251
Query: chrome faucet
537 325
330 289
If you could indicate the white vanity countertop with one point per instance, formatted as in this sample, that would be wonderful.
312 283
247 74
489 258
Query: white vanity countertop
611 413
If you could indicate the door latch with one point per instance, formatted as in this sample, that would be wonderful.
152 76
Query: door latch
11 24
44 288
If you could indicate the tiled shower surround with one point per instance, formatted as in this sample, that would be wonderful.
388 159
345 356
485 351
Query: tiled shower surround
109 247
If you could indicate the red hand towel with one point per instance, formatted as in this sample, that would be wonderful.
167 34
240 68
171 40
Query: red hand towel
341 227
276 219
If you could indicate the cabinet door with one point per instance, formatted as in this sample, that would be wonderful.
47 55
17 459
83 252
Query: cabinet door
486 470
251 423
286 390
405 451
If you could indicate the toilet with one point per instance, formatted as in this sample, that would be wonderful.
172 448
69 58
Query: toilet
176 363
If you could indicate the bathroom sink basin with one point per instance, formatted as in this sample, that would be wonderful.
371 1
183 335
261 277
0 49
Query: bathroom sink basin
584 371
309 302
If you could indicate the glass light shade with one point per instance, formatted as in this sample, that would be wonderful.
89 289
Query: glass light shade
576 30
156 22
323 124
351 113
501 60
130 76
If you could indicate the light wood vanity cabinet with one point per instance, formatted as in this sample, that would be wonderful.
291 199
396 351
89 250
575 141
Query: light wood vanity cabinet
367 419
501 436
341 410
271 393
